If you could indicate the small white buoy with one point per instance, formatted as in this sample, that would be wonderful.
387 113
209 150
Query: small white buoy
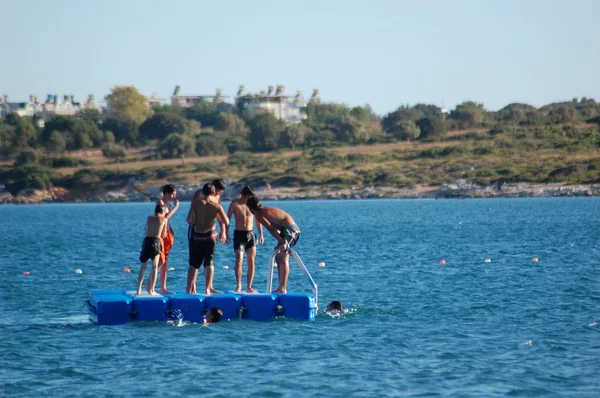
226 267
321 264
78 271
171 268
487 260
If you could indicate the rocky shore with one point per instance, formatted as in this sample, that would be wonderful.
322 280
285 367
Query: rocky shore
458 189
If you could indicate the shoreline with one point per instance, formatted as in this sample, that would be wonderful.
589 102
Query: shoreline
456 190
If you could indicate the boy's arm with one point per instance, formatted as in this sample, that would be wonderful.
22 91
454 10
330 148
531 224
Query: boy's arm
173 210
191 217
261 238
223 222
271 228
163 231
229 214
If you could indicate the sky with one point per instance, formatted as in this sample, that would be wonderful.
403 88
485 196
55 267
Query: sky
378 52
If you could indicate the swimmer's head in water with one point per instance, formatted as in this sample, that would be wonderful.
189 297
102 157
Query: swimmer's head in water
253 203
208 189
213 315
247 191
159 210
335 306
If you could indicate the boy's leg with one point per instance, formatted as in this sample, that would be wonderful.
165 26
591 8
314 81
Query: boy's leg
141 277
283 270
209 272
250 257
153 276
192 274
239 259
163 278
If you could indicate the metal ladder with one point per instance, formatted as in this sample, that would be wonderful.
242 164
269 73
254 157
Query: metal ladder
311 281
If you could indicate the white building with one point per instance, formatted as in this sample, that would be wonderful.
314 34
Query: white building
188 101
282 106
53 106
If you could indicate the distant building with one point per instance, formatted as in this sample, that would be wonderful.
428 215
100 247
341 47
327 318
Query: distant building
282 106
188 101
67 107
29 108
53 106
155 100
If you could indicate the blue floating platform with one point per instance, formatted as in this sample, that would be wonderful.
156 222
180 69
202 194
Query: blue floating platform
116 307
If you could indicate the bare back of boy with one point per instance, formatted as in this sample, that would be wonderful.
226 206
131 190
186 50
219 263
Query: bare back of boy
155 227
205 213
244 219
275 217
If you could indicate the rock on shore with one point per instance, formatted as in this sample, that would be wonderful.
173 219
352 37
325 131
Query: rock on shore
458 189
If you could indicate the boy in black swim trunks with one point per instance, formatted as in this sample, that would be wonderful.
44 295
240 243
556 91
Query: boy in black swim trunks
156 230
283 228
244 240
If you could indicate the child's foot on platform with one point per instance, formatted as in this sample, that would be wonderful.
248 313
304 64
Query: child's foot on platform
250 289
280 290
165 291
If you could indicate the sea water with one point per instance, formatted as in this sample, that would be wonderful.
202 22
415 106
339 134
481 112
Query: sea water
489 321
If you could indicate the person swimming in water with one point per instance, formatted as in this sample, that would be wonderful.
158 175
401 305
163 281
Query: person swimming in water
213 315
335 306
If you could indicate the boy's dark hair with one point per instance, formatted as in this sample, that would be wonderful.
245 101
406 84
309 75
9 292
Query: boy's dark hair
208 189
247 191
335 306
216 314
219 184
159 209
167 189
253 203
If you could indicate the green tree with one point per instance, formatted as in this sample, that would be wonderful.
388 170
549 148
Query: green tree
114 152
431 128
407 130
30 176
320 116
391 122
161 125
515 113
8 137
90 115
562 114
293 135
204 112
56 143
469 114
109 137
126 104
207 145
28 156
264 132
177 146
124 131
428 110
26 133
230 123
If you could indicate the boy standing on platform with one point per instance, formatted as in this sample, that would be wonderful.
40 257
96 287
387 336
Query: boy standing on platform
156 230
169 194
244 239
203 238
283 228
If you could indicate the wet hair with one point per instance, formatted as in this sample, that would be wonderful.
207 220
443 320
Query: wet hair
247 191
208 189
159 209
219 184
335 306
215 314
253 203
167 189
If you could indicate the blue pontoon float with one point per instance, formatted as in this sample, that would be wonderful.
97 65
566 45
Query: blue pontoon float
116 307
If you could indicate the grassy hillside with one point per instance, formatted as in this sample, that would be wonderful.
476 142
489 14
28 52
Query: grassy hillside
568 154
